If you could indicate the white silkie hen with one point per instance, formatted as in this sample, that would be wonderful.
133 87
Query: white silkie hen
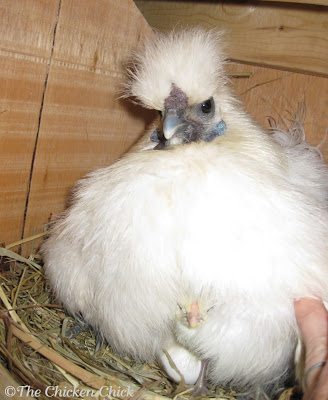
223 216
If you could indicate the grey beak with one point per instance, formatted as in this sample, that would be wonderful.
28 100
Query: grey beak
171 123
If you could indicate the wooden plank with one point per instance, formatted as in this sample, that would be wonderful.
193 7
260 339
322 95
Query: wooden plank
278 35
270 92
305 2
26 33
84 124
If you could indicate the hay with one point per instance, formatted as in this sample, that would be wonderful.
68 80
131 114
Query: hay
39 350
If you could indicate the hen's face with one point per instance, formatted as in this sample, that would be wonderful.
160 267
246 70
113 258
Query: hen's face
181 75
186 123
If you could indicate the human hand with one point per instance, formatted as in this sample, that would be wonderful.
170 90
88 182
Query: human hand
312 318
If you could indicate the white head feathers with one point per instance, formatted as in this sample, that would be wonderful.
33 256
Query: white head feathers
191 59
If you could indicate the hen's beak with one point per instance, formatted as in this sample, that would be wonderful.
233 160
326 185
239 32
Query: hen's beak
193 316
171 123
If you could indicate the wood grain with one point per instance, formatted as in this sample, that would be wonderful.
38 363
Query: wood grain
26 32
304 2
263 33
277 94
84 125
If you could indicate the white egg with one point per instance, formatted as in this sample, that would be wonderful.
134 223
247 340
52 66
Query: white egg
186 363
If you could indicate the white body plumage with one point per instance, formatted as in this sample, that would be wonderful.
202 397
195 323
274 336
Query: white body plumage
242 217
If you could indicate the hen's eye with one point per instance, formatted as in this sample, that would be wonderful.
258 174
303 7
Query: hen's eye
160 113
206 107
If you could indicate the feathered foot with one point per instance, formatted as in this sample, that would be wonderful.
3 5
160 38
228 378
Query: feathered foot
100 341
79 326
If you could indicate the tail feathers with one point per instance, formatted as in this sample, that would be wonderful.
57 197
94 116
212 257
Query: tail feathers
295 137
307 167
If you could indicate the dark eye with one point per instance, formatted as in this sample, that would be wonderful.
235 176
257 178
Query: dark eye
160 113
206 107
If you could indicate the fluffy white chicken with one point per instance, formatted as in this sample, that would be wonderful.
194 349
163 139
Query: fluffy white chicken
225 215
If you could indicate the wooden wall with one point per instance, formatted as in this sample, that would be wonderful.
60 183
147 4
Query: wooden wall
60 75
268 92
60 116
285 35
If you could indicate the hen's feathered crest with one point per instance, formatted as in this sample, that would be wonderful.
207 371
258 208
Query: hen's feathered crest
191 59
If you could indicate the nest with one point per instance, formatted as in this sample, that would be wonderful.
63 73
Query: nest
44 347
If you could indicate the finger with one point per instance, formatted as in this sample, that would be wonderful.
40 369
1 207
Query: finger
312 319
320 392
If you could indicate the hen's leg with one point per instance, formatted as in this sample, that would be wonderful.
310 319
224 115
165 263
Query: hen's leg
200 388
